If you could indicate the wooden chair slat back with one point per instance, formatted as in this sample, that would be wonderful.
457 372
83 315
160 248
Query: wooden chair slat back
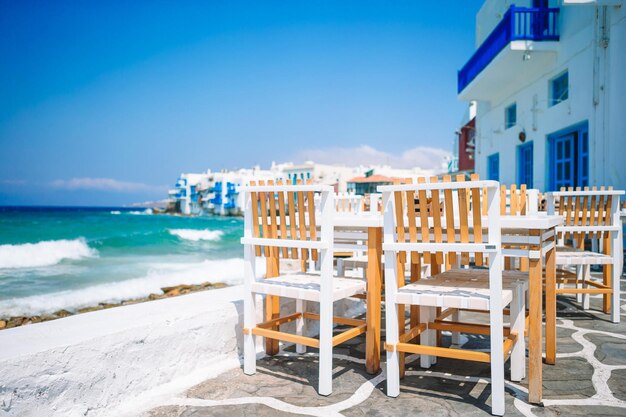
441 216
284 214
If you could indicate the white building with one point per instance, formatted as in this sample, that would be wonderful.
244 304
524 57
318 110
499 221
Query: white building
224 197
549 82
185 194
334 175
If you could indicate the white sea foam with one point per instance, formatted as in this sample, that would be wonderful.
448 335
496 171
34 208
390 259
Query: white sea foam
116 212
196 235
45 253
142 212
229 271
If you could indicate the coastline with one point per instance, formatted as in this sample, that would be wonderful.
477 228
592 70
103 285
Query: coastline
8 322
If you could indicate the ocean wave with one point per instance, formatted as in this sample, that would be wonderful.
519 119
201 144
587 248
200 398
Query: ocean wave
116 212
196 235
142 212
228 271
45 253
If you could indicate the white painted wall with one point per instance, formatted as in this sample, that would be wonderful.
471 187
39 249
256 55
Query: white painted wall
112 361
607 127
125 360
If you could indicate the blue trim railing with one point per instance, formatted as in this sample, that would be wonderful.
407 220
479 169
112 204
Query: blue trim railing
518 23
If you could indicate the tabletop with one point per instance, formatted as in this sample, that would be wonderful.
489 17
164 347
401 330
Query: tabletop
539 221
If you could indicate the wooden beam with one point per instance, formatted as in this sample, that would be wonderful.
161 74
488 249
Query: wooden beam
349 334
286 337
339 320
455 326
584 291
462 354
412 333
508 345
280 320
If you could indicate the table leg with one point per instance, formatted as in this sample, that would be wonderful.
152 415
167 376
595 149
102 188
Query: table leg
374 288
416 274
551 306
535 351
272 304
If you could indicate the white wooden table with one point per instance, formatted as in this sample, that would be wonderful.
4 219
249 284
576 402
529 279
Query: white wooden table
531 236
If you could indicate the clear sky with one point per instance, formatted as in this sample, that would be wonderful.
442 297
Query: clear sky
107 102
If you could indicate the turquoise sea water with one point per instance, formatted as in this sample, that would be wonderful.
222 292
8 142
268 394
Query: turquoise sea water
53 258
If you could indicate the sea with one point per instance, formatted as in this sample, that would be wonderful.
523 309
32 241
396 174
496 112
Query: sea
54 258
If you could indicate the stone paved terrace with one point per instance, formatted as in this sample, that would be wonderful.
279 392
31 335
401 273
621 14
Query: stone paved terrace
589 379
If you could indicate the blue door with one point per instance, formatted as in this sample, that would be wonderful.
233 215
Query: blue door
569 158
525 164
563 164
493 167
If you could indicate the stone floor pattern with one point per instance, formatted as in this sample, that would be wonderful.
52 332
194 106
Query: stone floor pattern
589 379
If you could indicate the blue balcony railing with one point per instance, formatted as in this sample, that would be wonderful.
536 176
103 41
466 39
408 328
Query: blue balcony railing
518 23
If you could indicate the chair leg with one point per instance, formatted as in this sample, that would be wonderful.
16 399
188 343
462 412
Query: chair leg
580 276
393 358
427 338
300 308
518 319
615 281
456 336
249 345
326 348
341 267
586 275
497 362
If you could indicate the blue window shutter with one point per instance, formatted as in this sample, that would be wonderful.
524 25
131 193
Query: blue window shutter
493 167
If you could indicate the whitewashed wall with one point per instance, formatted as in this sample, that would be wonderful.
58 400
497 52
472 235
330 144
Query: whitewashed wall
606 121
122 361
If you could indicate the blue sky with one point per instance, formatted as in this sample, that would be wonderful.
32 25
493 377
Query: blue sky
108 102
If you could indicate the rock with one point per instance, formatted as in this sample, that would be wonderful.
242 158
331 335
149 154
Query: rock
89 309
3 324
62 313
173 292
156 296
15 322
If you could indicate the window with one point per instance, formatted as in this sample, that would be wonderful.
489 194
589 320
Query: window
493 167
525 164
510 116
559 88
569 158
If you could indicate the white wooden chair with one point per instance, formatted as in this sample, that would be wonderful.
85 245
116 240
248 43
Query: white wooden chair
408 233
589 214
288 229
517 201
348 202
348 240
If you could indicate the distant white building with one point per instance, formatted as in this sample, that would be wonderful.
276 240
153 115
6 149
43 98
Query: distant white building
549 82
334 175
223 196
185 194
219 193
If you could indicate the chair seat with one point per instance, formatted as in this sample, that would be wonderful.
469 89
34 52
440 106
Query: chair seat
566 255
306 286
460 288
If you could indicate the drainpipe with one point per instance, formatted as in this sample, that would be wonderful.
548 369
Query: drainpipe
601 106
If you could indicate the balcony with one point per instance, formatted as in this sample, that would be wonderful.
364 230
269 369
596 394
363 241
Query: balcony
522 30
